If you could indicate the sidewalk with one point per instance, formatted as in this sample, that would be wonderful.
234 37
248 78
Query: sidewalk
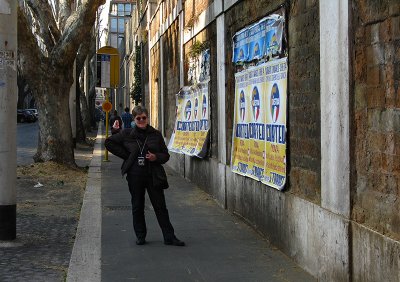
219 246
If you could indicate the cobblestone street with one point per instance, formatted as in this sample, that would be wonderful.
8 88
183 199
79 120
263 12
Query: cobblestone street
47 218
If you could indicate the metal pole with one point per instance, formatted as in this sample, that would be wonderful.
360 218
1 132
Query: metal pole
8 125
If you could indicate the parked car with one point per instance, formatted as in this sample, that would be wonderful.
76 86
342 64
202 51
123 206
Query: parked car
25 116
34 111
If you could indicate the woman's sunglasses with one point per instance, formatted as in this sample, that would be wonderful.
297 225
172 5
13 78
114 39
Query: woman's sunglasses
140 118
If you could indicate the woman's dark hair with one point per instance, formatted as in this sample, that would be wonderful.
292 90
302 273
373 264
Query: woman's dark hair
138 110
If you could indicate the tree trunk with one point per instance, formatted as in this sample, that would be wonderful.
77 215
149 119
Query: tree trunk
91 104
92 88
55 132
85 113
80 130
46 55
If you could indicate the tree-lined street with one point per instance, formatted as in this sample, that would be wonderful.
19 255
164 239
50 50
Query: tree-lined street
274 124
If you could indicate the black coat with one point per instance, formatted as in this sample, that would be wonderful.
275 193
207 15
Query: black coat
125 146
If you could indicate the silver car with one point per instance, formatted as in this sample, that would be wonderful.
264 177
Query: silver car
34 112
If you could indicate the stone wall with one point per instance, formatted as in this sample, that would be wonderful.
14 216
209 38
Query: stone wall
155 24
304 129
193 8
168 7
376 75
155 113
171 59
327 243
208 35
303 88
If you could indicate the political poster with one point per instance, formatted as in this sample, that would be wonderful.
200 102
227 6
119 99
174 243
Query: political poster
240 160
262 40
199 67
256 88
192 121
275 127
241 46
259 131
257 40
273 37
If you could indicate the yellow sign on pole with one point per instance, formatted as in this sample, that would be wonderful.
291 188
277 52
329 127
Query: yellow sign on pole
112 64
108 70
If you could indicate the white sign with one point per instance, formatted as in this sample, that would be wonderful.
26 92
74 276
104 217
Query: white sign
105 71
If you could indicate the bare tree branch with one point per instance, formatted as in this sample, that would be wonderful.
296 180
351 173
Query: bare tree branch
55 5
29 53
48 30
74 34
64 13
83 52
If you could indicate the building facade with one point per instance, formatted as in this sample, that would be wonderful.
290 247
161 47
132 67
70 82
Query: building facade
119 17
119 14
339 212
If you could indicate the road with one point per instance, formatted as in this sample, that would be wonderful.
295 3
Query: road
27 138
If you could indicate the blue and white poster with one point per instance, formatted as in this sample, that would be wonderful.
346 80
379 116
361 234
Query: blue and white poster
256 40
262 40
241 46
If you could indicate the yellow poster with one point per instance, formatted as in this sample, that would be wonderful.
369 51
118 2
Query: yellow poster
258 114
275 127
259 133
241 144
192 121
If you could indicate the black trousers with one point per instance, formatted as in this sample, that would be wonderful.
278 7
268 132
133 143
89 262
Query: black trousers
137 187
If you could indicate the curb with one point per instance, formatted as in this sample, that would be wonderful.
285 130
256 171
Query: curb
85 262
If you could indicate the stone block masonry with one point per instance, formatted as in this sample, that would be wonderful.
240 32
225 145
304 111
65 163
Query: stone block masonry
377 115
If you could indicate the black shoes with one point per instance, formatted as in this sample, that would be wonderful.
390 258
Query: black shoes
174 242
140 241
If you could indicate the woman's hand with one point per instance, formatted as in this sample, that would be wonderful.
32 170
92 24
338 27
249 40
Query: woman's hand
150 156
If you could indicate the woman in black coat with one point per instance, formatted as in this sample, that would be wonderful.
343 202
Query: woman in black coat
144 151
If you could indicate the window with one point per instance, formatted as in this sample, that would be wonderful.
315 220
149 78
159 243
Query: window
120 39
113 41
114 9
113 27
127 9
121 10
121 25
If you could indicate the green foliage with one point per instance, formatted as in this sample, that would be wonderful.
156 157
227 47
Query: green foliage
136 93
197 48
190 23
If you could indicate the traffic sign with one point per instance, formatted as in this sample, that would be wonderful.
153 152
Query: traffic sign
107 106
